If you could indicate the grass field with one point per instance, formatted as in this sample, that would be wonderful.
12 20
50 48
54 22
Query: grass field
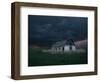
38 58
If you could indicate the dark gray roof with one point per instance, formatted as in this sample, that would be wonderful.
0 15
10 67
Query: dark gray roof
63 43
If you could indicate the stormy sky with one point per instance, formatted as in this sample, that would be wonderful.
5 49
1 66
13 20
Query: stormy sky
46 30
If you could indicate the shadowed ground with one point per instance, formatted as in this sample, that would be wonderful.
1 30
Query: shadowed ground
38 58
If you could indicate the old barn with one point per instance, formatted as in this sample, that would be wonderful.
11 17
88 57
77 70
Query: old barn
63 46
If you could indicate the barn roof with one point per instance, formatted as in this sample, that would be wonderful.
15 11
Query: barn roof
63 43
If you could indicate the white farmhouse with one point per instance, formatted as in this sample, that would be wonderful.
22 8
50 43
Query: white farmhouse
63 46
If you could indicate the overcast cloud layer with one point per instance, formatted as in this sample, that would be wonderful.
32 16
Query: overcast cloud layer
46 30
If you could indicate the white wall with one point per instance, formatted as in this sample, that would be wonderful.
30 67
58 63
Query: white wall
66 48
5 38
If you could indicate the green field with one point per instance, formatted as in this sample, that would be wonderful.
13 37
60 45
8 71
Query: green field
38 58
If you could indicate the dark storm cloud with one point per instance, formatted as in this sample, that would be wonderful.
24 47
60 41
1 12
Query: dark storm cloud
46 29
